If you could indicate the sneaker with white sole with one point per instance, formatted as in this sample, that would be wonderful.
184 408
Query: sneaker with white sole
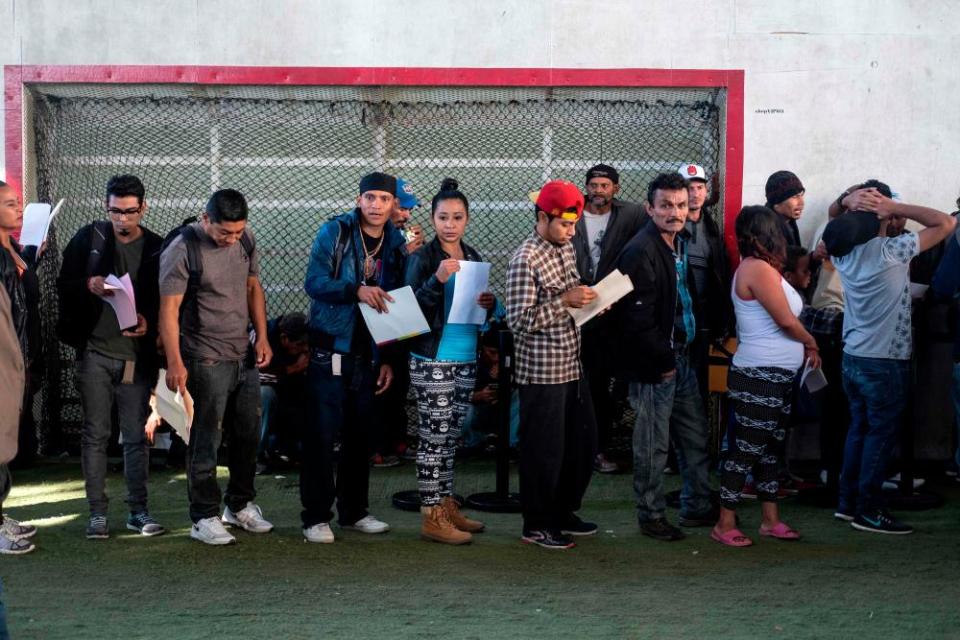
9 547
320 533
97 528
367 524
16 530
250 518
144 524
210 531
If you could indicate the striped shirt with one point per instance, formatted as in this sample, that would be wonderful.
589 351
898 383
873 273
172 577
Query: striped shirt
546 339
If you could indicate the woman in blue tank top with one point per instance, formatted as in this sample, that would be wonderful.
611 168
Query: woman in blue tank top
443 365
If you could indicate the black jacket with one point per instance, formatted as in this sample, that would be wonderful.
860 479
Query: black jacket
715 303
79 310
626 218
645 317
421 276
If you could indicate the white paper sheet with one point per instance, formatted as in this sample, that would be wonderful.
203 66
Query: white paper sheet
123 301
174 408
403 320
472 280
36 223
812 379
609 290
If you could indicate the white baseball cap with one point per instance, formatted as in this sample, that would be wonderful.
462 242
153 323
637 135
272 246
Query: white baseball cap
692 172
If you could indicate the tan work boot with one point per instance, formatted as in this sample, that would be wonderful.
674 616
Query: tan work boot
437 527
459 520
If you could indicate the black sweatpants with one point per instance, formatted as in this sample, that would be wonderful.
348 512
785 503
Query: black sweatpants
558 440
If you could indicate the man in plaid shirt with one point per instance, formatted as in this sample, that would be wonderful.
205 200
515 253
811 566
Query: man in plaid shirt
557 426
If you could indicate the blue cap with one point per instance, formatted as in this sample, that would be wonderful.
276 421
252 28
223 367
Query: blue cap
405 195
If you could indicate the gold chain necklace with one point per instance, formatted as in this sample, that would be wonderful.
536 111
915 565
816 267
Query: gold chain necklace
369 255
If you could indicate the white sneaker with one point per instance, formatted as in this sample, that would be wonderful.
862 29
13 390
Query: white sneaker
250 518
320 533
367 524
892 484
211 531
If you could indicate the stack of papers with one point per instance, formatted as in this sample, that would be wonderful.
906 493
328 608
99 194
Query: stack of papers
609 290
812 379
176 409
468 283
123 301
403 320
36 223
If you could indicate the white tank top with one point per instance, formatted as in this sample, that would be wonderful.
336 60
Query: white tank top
761 341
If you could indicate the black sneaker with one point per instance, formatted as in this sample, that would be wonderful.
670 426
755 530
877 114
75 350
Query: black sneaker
660 529
574 526
97 528
702 519
547 538
880 521
144 524
843 515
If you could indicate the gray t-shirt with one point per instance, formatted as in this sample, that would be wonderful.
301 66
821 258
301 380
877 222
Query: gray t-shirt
219 332
106 337
876 284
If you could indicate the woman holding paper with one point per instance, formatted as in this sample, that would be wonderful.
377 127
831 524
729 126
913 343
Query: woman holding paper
773 345
443 363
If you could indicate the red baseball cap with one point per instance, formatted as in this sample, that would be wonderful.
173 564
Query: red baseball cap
558 199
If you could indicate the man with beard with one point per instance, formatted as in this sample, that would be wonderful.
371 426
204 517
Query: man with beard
658 317
606 226
116 366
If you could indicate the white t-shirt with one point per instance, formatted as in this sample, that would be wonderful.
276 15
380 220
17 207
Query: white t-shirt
596 227
876 285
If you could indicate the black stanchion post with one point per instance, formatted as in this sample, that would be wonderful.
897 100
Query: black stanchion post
501 500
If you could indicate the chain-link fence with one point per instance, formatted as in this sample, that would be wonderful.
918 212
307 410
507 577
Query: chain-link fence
298 153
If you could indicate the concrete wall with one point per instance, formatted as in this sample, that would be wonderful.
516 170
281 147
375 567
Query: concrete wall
836 91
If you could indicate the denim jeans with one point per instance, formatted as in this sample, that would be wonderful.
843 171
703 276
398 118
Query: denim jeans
955 393
342 404
268 400
100 384
226 395
876 390
665 411
4 634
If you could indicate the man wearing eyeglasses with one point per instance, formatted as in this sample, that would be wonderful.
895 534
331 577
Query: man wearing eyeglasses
116 365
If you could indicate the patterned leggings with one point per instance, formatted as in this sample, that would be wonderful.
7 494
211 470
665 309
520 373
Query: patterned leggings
443 397
761 407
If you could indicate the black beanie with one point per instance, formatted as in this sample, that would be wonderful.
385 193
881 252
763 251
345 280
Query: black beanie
603 171
848 231
782 185
377 181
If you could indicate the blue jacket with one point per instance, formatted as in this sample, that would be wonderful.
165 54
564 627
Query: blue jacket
333 307
946 285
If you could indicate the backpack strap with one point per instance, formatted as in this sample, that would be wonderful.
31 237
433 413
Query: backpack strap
194 273
100 230
247 243
343 239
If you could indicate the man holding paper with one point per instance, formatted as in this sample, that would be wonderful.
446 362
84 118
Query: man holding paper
355 259
657 324
443 363
557 424
209 293
116 361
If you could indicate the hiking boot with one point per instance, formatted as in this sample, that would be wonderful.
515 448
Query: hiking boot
438 527
880 521
660 529
320 533
459 520
574 526
11 547
250 518
97 528
547 538
210 531
367 524
144 524
15 530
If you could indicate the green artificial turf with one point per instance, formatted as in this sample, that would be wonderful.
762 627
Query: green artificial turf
835 583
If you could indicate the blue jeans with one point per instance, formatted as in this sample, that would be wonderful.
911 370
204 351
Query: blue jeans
955 393
4 634
672 408
876 389
268 398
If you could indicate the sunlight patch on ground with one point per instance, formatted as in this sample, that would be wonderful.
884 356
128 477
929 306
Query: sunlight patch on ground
47 492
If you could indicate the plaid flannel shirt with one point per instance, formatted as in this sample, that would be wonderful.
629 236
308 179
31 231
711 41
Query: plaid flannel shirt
546 339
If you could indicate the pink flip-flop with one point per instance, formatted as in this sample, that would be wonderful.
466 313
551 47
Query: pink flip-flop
781 531
732 538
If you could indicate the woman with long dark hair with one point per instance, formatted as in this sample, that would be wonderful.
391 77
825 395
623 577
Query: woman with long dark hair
443 365
772 347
